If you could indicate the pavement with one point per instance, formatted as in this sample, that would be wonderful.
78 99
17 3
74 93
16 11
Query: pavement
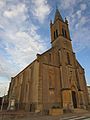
21 115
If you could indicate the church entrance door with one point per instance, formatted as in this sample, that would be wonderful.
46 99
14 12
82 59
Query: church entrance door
32 107
74 99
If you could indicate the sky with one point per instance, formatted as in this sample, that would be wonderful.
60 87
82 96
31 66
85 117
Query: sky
25 31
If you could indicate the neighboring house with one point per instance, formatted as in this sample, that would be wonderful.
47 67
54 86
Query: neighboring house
54 78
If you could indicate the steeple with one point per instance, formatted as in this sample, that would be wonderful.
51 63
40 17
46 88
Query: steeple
58 15
59 30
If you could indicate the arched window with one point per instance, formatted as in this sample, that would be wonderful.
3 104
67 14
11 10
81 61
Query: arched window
49 57
64 33
56 33
68 58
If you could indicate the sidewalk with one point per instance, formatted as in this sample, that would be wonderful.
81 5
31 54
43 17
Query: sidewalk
21 115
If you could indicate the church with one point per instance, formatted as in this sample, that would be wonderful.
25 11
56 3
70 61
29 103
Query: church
54 79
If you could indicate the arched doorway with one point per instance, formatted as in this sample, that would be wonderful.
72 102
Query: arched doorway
74 99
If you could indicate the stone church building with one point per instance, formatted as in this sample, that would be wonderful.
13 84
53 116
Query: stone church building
54 79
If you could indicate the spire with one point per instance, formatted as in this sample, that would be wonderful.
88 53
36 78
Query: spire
57 15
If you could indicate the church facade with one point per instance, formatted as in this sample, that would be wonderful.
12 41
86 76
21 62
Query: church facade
54 79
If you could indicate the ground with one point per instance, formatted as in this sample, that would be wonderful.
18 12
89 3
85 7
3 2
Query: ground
31 116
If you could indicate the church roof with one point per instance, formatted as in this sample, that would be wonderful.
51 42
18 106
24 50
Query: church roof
58 15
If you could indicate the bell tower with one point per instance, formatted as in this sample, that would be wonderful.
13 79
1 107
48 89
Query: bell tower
60 35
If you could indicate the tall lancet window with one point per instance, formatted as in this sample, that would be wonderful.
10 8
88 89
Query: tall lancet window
56 33
68 58
49 57
64 33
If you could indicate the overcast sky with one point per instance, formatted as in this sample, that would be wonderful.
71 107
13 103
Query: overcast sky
24 32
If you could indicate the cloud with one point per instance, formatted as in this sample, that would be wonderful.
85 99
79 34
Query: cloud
2 3
83 6
81 22
15 10
78 13
40 9
81 39
19 39
78 21
3 87
67 4
25 46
